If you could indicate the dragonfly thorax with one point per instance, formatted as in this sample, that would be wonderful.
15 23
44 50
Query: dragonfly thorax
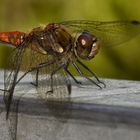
57 39
53 39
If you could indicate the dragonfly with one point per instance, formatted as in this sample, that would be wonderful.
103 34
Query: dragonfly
47 52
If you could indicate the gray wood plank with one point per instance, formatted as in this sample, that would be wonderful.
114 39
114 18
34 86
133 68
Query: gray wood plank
112 113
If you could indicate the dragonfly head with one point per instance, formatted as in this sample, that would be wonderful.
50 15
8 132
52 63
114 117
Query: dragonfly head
87 45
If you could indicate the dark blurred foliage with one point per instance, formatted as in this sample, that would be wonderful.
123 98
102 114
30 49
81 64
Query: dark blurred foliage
117 62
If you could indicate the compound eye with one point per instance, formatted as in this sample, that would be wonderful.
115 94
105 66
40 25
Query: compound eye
85 40
87 45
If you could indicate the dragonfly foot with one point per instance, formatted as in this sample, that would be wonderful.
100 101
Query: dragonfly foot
102 83
79 83
49 92
34 84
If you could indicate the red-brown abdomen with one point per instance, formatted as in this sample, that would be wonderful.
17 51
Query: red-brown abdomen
12 38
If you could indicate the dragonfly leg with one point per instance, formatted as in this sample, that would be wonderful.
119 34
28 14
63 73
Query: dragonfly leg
81 73
52 74
68 83
8 96
76 81
4 90
42 65
69 88
36 78
93 74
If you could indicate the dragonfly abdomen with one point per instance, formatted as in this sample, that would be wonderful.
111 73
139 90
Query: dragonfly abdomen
12 38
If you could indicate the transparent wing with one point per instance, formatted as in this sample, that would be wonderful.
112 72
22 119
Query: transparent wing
58 82
10 77
20 61
26 58
11 74
55 91
109 33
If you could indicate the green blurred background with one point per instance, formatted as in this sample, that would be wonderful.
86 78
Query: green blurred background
116 62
